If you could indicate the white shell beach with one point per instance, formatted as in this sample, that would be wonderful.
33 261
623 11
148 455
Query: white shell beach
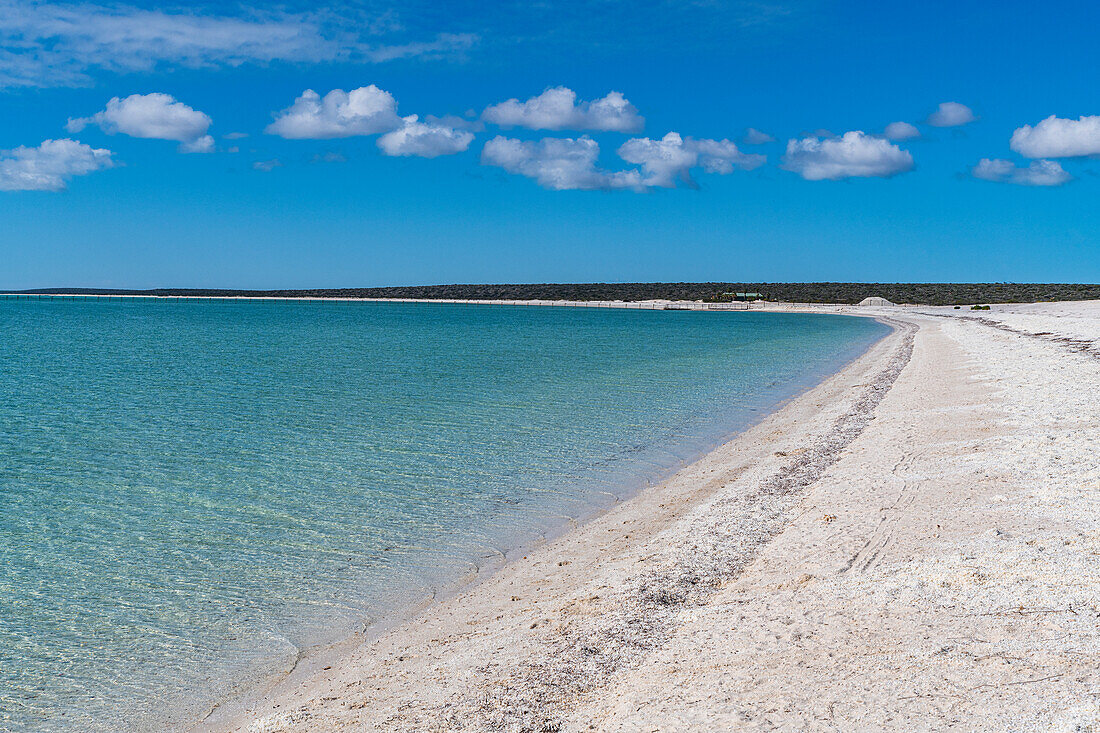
912 545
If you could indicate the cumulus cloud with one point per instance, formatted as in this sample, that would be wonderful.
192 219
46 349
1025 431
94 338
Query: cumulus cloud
48 166
951 114
900 131
372 111
566 163
1057 137
157 116
363 111
668 160
756 137
855 154
557 109
50 44
425 139
267 165
557 163
1038 173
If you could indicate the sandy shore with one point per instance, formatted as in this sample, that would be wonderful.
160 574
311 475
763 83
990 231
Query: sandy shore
913 545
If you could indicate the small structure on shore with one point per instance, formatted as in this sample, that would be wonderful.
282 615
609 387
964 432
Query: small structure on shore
733 297
740 297
875 301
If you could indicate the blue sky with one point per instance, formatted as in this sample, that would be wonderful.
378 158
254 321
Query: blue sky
187 152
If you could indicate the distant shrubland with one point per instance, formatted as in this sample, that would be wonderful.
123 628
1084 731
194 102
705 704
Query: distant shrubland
825 292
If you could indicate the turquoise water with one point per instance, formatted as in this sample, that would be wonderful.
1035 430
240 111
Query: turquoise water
193 491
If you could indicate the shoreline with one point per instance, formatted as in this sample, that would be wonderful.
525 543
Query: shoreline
676 305
941 575
668 456
909 545
240 711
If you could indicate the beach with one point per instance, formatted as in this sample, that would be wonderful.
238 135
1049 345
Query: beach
912 544
426 367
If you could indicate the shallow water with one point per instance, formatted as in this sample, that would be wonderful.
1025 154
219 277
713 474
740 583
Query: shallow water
191 492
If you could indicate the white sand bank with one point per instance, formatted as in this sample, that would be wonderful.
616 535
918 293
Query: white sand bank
913 545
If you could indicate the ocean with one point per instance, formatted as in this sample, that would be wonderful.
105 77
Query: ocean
192 493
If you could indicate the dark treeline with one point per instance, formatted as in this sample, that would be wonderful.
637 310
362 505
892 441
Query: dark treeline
922 293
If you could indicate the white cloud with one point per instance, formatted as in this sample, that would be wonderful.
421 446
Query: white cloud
855 154
363 111
557 163
951 114
670 159
49 44
557 109
425 139
458 123
1057 137
756 137
444 45
267 165
1038 173
566 163
900 131
156 116
204 144
48 166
